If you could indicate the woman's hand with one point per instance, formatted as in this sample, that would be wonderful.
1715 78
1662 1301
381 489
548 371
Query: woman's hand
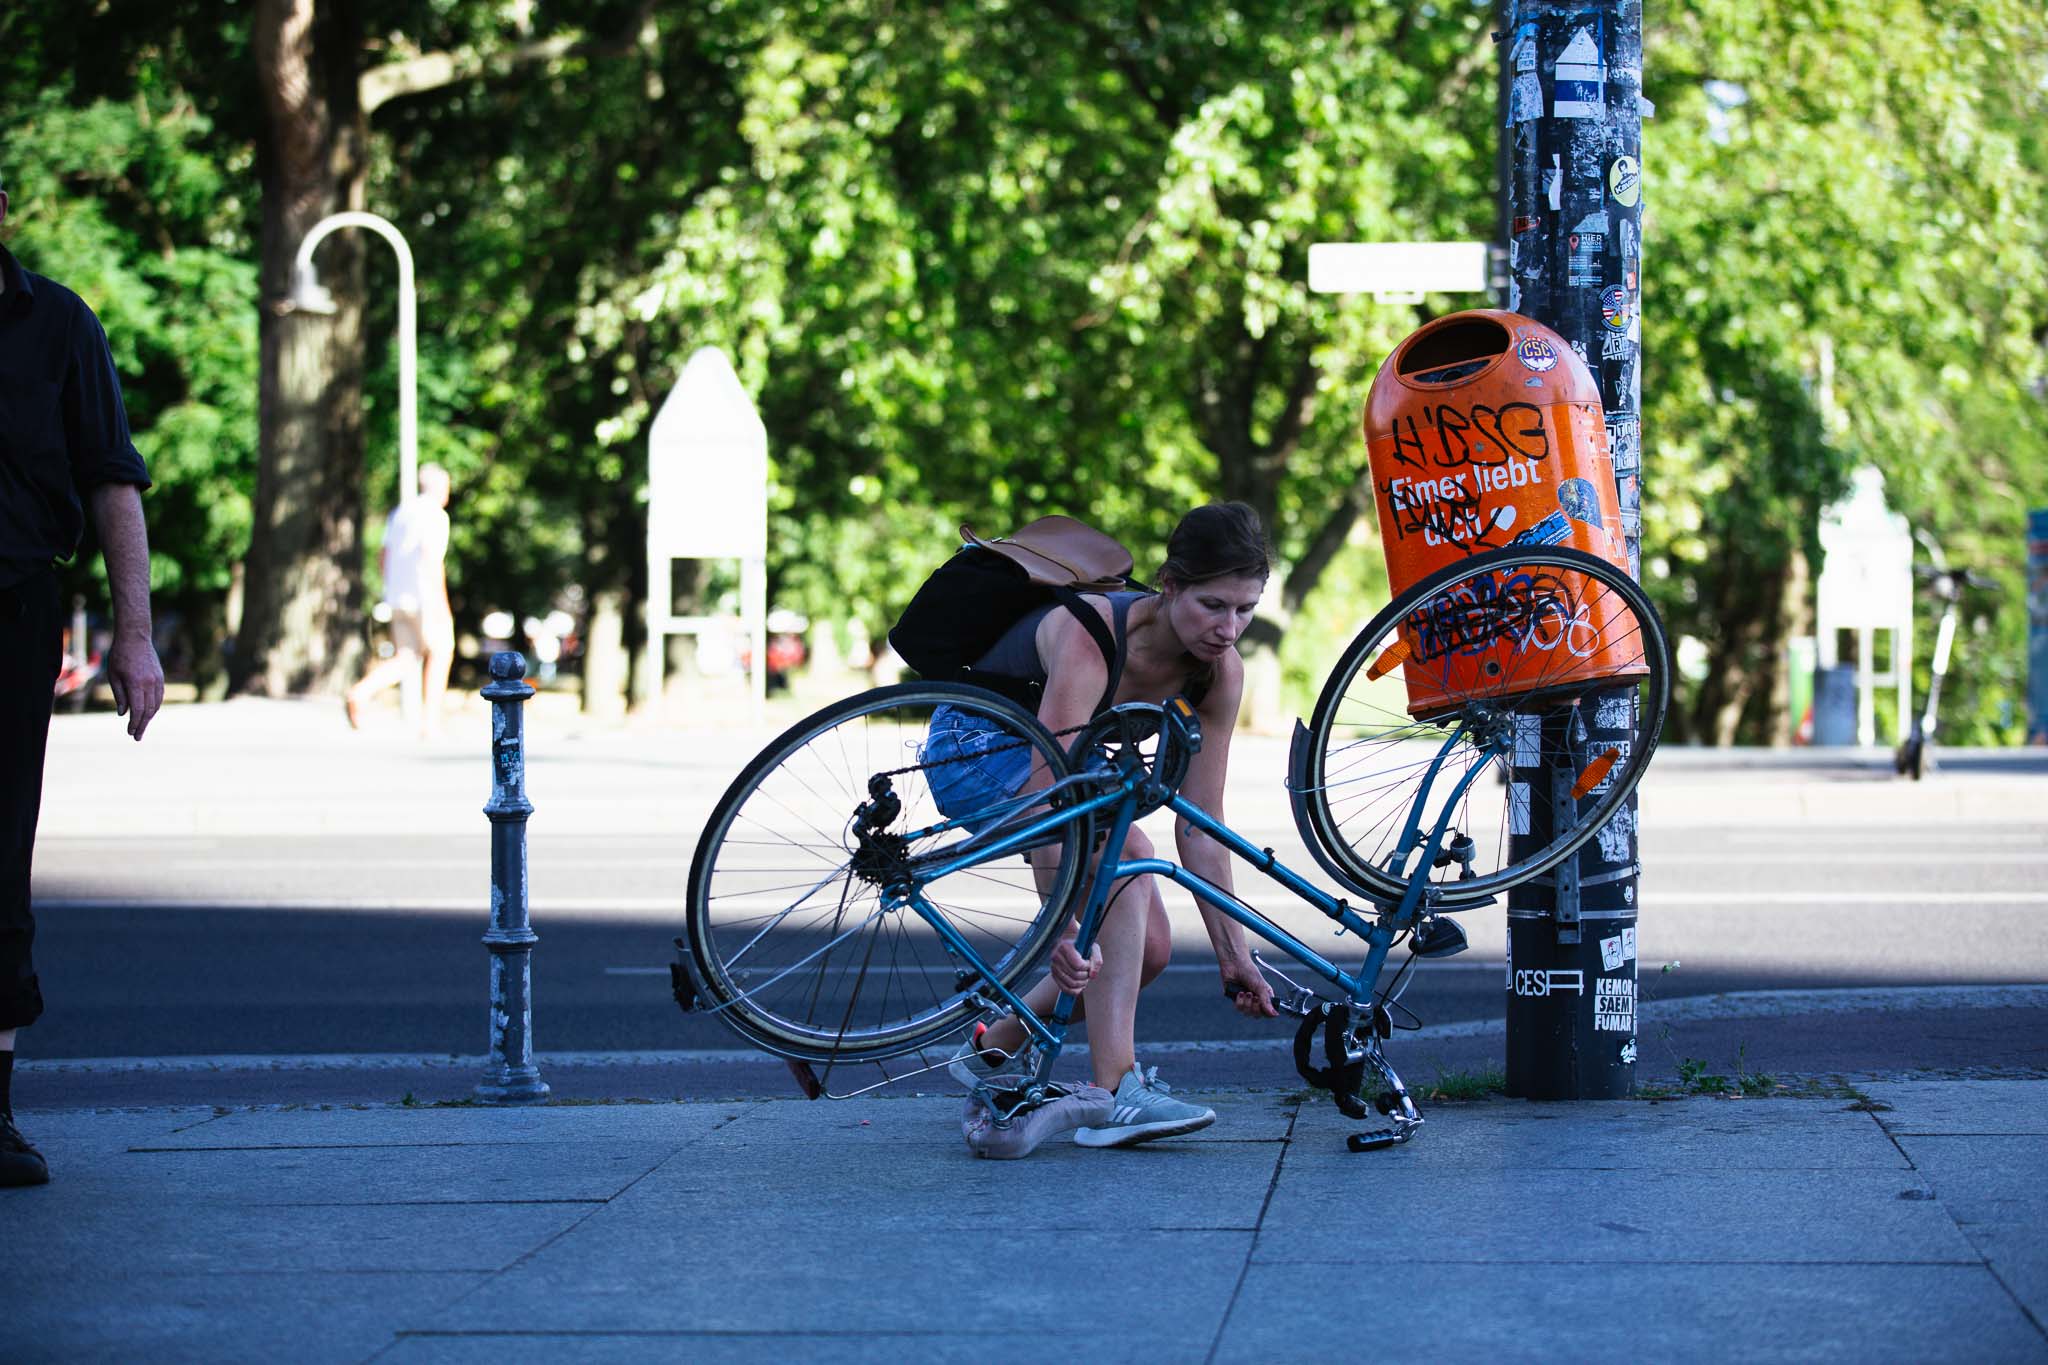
1069 972
1248 989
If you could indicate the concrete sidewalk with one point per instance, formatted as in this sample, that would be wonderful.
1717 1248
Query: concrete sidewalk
1904 1227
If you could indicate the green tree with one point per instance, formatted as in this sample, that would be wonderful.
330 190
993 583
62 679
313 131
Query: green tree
1845 270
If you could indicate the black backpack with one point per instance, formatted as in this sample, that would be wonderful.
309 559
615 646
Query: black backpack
967 604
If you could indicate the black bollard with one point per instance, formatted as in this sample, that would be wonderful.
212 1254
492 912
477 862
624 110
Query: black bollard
511 1077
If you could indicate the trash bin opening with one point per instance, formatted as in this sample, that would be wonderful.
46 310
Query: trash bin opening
1453 352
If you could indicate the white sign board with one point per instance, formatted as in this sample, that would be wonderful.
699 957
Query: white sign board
1866 576
1866 585
707 467
1409 268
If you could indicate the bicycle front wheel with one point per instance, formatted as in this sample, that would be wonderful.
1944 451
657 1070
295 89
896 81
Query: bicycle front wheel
1539 661
798 923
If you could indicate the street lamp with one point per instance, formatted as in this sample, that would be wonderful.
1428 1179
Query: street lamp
309 295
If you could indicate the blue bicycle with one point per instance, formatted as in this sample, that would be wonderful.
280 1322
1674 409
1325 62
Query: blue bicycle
1480 731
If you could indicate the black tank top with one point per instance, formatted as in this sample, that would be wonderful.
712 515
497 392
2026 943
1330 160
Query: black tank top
1016 654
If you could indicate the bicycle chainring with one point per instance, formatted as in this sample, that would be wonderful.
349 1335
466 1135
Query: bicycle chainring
1126 739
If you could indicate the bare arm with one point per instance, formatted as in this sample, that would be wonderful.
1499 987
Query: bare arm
1206 858
134 674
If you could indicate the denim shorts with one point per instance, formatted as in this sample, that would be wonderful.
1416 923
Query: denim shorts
979 763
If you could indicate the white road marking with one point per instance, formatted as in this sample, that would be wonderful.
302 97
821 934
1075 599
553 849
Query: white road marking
673 905
1890 895
1962 835
1887 857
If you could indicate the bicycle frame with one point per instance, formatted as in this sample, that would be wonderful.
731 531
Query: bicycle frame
1379 934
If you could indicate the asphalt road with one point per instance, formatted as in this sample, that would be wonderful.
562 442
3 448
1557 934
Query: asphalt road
221 927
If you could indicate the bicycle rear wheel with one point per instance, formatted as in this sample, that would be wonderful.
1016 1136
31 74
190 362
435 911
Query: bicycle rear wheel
1548 658
796 925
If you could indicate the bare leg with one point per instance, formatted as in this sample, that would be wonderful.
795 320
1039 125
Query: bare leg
438 659
385 673
1140 908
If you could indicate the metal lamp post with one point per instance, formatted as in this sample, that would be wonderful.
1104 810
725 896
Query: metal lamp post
309 295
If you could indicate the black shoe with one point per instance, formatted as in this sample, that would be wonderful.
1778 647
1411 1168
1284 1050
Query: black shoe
20 1164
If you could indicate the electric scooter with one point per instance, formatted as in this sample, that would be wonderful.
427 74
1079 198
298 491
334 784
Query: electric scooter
1946 586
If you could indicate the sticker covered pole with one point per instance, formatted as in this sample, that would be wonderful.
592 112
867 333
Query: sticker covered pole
1572 110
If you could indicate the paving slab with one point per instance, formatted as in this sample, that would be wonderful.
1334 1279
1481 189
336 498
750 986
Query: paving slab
74 1228
64 1133
1131 1294
528 1172
262 1318
1691 1134
427 1125
942 1189
1996 1188
1599 1217
1240 1117
1980 1105
1680 1313
939 1346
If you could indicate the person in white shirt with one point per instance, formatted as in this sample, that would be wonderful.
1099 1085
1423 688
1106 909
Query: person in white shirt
416 589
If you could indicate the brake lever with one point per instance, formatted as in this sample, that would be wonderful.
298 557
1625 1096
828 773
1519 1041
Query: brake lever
1301 1004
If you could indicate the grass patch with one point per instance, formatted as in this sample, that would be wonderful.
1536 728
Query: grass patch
1452 1086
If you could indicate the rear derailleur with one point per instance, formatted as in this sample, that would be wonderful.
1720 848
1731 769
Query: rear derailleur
1351 1039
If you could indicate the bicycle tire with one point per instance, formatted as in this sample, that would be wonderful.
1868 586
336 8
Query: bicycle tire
1358 825
772 885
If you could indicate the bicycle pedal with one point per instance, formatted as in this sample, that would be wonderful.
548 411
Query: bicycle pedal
1373 1141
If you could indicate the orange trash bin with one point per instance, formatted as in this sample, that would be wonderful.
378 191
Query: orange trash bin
1484 430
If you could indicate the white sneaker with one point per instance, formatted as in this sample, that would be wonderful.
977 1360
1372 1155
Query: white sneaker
1142 1110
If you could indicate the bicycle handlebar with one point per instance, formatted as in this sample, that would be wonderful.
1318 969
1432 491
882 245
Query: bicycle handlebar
1954 580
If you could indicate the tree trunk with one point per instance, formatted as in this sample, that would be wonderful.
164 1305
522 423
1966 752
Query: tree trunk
1793 621
302 617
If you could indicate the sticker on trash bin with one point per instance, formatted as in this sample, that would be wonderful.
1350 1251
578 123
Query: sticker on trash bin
1610 953
1614 1005
1580 502
1535 353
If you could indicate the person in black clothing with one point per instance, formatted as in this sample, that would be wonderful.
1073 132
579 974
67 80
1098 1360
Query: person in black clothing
64 446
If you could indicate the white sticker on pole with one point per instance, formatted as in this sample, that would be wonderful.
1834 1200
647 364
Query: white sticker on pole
1628 945
1610 953
1614 1004
1528 741
1518 807
1580 88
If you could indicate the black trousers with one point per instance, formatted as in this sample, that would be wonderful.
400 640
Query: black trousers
31 650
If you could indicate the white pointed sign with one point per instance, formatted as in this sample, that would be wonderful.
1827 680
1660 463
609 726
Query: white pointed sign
707 466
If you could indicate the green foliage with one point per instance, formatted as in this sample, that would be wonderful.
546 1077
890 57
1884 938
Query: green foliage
979 260
134 206
1848 269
